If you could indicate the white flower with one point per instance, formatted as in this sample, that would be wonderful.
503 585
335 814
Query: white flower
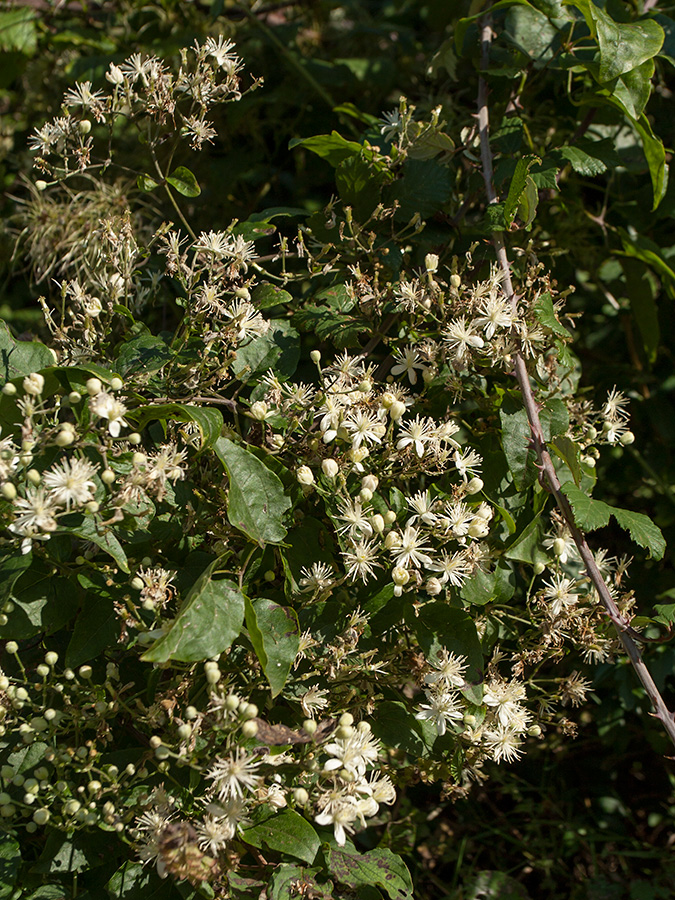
560 592
449 669
496 313
34 512
454 569
416 434
467 462
305 476
106 406
316 578
422 504
222 53
504 742
338 810
232 776
361 560
353 753
412 550
503 696
406 362
71 482
365 427
214 833
356 522
391 122
461 338
443 707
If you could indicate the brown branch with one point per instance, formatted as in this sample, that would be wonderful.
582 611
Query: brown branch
626 634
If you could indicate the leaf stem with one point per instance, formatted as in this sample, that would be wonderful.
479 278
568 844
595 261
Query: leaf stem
625 633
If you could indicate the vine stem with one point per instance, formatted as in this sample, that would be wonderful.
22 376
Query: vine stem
626 634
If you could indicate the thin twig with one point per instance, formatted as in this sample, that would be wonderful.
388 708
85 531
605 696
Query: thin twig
626 634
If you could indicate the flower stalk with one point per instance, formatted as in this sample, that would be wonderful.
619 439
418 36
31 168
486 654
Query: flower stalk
626 634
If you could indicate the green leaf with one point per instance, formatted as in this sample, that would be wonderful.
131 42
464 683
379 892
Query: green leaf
589 514
266 295
103 536
655 154
516 441
555 418
438 626
275 634
146 183
545 313
642 530
568 451
10 853
209 421
134 881
286 832
582 162
532 32
464 23
622 46
377 868
525 547
479 588
17 31
278 348
256 501
358 185
97 626
396 726
208 621
643 305
518 187
43 603
642 248
634 88
11 569
425 186
20 358
291 882
487 885
665 613
184 182
144 352
331 147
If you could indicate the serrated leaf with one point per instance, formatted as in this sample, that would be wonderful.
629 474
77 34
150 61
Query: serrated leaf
589 514
185 182
291 882
275 634
516 442
545 313
10 861
642 530
525 547
568 451
17 31
209 620
286 832
278 348
43 603
256 501
463 24
377 868
425 186
521 192
582 162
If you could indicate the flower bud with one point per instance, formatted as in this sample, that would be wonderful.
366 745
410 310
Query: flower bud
305 476
94 386
64 438
370 482
377 521
249 729
116 384
455 281
475 486
33 384
330 468
433 587
315 356
627 438
559 545
300 796
309 726
365 495
396 410
84 126
107 476
392 541
259 410
8 491
431 262
40 185
9 389
74 398
400 575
